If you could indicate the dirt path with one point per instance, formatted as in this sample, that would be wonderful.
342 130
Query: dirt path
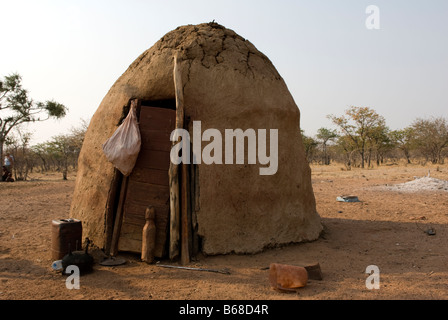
385 229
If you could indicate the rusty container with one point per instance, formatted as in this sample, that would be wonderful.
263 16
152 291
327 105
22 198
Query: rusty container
66 234
286 277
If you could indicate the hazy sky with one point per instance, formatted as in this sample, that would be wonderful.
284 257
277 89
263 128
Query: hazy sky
73 51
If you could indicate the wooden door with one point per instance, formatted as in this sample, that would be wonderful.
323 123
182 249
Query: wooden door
148 184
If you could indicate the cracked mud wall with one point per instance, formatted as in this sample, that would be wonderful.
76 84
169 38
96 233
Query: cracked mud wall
228 84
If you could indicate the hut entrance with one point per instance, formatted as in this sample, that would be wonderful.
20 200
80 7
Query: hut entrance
148 184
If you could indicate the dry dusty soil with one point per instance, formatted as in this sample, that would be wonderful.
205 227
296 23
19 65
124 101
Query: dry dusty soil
386 228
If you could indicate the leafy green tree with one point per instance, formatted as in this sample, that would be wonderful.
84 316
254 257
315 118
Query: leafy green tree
61 148
359 124
431 138
77 135
16 107
310 146
346 146
325 135
18 146
404 140
379 143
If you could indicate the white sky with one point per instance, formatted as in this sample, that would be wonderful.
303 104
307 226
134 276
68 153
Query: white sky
73 51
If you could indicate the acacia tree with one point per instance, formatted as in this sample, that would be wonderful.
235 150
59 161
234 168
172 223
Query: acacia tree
77 135
346 146
379 142
325 135
431 138
359 124
61 149
64 149
16 107
404 140
18 144
41 151
310 146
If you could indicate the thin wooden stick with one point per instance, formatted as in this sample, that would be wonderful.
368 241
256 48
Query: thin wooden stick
193 269
119 217
185 252
112 199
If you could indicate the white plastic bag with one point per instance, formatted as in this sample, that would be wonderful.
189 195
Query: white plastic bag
123 147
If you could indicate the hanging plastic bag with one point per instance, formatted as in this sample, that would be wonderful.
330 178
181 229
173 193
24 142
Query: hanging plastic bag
123 147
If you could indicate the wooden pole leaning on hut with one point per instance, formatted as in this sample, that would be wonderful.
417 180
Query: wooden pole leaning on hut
119 218
175 207
185 225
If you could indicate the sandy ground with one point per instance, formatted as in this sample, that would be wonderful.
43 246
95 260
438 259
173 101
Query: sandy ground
385 229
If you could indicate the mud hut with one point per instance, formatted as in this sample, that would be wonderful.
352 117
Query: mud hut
226 83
